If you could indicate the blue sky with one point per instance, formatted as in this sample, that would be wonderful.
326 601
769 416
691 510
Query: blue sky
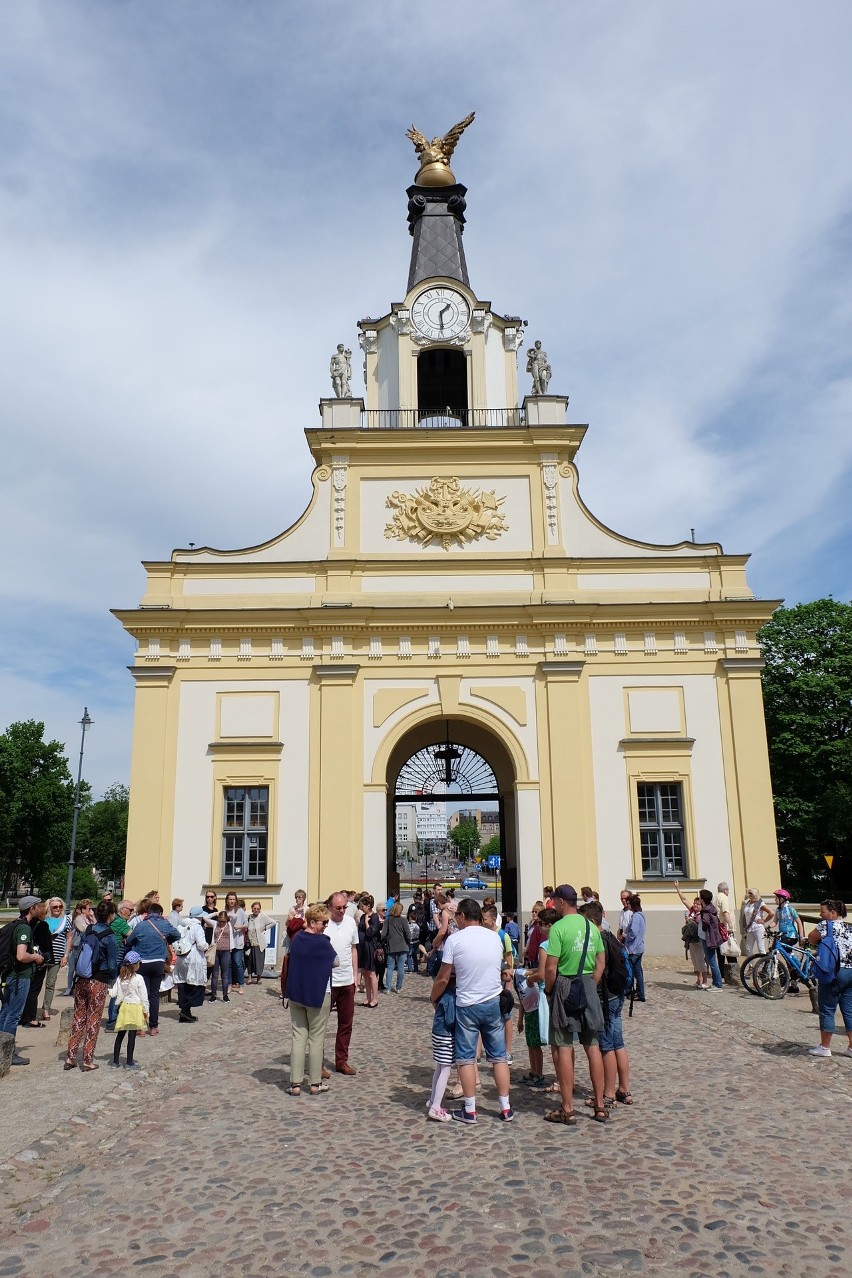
198 201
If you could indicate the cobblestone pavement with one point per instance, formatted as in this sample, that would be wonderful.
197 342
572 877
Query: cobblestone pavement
732 1161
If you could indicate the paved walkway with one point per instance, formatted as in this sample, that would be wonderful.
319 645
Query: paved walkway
734 1159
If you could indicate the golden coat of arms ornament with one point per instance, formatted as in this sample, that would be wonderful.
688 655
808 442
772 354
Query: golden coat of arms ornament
445 512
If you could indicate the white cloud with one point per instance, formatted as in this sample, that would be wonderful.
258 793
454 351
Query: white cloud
198 201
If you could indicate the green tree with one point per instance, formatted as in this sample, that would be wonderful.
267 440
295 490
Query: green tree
36 803
465 837
54 881
102 832
807 690
492 847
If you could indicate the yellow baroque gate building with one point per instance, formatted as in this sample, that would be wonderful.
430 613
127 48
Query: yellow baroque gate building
447 585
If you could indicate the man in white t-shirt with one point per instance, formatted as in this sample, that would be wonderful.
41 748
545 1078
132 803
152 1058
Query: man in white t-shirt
723 908
342 931
475 954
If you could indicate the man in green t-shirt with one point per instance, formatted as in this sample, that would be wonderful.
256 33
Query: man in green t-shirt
16 986
564 952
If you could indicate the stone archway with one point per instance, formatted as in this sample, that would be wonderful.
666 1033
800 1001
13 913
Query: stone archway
481 772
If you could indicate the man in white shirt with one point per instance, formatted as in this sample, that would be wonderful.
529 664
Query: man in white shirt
475 955
723 909
343 934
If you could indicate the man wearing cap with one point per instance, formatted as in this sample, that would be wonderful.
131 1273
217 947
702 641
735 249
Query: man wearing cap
574 948
24 963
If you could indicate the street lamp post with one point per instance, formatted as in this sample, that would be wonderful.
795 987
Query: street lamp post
85 723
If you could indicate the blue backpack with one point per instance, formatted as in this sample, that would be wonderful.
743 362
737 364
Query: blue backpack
94 956
827 961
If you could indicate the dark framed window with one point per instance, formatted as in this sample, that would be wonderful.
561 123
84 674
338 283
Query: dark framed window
661 833
246 834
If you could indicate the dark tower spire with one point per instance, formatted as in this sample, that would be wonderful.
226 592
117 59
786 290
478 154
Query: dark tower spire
436 221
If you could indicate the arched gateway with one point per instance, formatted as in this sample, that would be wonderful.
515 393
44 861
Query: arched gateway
444 765
447 585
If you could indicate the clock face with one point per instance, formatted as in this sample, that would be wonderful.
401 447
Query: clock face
440 313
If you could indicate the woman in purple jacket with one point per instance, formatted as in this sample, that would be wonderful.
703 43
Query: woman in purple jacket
312 956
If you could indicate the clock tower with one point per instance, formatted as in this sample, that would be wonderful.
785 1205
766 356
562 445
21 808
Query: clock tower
446 626
441 355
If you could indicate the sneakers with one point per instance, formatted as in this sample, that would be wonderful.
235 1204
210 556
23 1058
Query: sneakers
506 1115
438 1115
462 1116
115 1064
18 1059
848 1051
133 1065
821 1051
533 1080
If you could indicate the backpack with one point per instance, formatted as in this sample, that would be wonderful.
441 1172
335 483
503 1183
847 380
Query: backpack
827 961
7 950
94 957
619 969
185 945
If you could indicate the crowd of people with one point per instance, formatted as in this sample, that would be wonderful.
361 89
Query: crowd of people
477 963
123 956
571 973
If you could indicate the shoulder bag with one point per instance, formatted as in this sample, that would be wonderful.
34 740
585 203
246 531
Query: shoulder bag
575 1000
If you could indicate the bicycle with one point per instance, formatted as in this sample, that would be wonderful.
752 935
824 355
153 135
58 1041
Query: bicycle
771 975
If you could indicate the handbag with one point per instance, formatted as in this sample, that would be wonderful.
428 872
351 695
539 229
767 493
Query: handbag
170 952
730 948
575 1001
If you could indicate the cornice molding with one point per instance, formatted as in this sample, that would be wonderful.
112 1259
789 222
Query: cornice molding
336 671
152 675
656 745
742 665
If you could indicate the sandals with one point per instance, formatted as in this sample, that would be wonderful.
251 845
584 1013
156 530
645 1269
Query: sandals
89 1068
316 1088
32 1025
294 1090
609 1102
601 1114
560 1115
70 1065
624 1098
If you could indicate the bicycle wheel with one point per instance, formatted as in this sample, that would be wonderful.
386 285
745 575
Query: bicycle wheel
747 972
771 977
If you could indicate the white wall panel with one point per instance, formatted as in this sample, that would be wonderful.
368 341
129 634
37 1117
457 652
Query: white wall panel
194 796
711 856
423 583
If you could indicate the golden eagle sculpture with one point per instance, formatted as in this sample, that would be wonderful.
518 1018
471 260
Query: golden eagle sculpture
435 155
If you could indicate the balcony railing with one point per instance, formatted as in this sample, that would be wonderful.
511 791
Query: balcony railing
441 418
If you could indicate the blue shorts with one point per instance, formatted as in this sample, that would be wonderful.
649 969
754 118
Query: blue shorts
611 1038
484 1019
